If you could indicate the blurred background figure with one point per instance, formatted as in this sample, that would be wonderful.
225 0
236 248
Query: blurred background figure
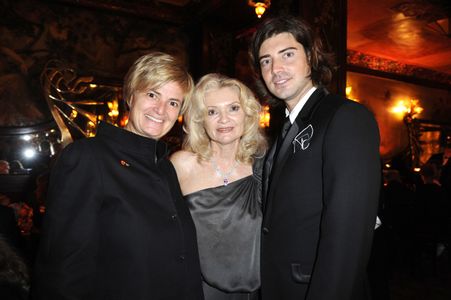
9 229
14 274
16 167
4 167
431 214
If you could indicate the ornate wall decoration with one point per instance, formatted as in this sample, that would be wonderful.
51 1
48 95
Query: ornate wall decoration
95 43
363 60
89 43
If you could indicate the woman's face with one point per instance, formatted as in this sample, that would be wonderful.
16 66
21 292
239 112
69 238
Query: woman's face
224 120
153 112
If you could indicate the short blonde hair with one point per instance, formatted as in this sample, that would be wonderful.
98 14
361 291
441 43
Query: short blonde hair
252 143
154 70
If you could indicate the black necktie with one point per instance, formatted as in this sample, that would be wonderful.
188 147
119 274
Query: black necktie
285 127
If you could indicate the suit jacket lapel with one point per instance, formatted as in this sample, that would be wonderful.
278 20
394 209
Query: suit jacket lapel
274 167
267 171
300 123
312 103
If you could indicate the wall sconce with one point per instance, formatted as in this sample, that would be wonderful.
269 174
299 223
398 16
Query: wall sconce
348 92
260 6
408 110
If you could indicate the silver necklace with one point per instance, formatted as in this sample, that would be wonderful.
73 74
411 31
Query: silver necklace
224 175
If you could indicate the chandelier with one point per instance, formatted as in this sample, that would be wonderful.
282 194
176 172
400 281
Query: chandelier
260 6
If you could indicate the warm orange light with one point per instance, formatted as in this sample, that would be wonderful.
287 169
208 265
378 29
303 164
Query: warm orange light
265 116
180 119
400 108
91 129
123 122
73 114
113 106
404 107
415 107
260 7
348 91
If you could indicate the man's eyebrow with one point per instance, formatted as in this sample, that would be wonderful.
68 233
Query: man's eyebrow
263 56
286 49
281 51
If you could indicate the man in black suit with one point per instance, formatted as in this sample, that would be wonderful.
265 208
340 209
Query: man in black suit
322 179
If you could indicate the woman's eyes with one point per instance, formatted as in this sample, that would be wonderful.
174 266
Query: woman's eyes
211 112
235 108
232 109
174 103
152 95
156 96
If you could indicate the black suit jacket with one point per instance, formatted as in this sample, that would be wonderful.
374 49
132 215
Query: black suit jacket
321 203
116 225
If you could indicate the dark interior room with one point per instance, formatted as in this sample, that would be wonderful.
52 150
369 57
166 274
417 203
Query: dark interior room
62 68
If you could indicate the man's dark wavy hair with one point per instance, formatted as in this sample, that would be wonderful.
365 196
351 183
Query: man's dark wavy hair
320 61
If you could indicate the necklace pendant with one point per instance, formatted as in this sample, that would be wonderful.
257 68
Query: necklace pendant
223 175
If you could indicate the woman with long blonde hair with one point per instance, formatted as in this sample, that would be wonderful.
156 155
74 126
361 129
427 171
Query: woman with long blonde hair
219 171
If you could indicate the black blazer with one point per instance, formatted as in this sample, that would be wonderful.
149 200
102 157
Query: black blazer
116 225
321 203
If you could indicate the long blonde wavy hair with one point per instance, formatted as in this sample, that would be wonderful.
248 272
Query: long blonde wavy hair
252 144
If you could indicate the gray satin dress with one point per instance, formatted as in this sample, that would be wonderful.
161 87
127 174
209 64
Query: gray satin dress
228 221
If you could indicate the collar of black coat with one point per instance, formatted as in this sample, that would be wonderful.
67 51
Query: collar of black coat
312 103
131 141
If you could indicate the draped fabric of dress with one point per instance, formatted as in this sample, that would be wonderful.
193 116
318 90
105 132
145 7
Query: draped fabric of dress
228 221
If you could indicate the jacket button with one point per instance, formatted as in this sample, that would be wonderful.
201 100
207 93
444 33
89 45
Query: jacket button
174 217
182 258
265 230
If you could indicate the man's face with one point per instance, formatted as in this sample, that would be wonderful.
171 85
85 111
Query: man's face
285 68
153 112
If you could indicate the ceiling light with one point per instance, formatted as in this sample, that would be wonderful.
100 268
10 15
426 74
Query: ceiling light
260 6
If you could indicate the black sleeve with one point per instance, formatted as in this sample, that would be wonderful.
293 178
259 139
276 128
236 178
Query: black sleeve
351 192
66 260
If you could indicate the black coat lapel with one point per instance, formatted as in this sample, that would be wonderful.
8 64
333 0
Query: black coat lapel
302 120
267 172
275 167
